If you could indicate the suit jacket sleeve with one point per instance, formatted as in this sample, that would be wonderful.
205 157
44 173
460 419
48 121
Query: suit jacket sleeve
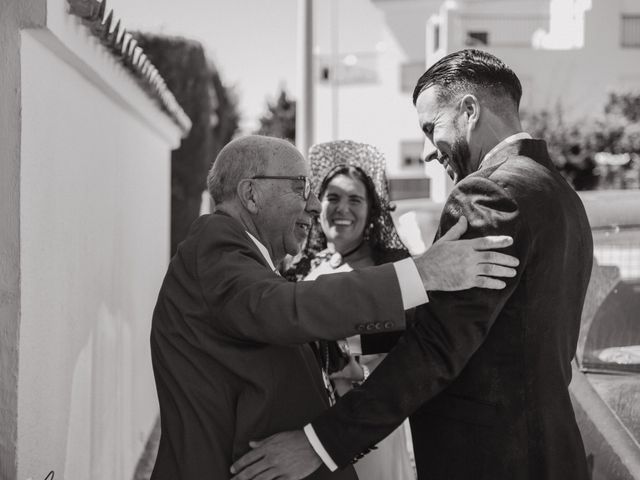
248 302
376 343
447 332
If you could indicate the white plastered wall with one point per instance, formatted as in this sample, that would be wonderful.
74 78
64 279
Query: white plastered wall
94 212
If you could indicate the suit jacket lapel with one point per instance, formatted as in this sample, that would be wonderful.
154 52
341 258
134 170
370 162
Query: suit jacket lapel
243 233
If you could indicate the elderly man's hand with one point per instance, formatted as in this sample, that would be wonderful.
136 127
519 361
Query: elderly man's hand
285 455
452 264
352 372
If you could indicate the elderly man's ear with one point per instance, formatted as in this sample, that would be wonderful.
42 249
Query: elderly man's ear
248 195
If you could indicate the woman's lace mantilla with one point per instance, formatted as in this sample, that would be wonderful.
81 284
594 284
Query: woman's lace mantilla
380 233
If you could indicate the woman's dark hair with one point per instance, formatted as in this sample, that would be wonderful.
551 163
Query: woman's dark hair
365 163
371 231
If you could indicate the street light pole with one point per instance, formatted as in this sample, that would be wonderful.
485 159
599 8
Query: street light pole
335 65
304 103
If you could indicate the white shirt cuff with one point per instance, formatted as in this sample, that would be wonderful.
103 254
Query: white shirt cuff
355 345
319 449
413 292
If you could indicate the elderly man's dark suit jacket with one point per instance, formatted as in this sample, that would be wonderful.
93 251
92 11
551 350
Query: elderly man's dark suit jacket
484 373
228 346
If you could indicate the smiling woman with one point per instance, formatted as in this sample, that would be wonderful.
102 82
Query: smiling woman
354 230
346 205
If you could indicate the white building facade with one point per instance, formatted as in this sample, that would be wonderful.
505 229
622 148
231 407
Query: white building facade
364 79
567 53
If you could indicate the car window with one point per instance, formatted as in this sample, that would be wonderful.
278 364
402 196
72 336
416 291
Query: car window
610 330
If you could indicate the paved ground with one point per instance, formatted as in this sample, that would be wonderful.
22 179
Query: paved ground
148 458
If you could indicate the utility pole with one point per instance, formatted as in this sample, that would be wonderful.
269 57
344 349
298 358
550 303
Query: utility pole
335 65
304 102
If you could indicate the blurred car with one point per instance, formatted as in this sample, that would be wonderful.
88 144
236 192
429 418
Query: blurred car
606 373
606 383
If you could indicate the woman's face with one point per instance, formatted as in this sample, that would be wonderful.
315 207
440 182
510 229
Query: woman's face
345 210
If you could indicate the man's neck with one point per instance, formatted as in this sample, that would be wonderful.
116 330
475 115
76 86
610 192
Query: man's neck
494 133
240 214
247 221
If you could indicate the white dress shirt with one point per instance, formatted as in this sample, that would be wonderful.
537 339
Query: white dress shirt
516 137
263 251
411 287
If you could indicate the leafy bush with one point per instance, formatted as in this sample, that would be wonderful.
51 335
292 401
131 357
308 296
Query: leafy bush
574 146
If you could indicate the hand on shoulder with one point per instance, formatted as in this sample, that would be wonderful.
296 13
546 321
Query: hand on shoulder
451 264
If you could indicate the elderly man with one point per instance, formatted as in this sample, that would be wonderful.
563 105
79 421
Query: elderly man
484 374
229 335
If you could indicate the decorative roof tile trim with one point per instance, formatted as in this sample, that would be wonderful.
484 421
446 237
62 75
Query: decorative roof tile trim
124 47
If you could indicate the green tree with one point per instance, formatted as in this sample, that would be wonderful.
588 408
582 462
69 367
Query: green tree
212 108
225 118
625 104
280 118
619 130
573 145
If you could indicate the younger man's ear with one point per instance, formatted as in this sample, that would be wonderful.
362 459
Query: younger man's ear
471 108
247 195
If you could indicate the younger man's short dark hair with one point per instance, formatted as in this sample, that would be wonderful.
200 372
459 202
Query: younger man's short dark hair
468 71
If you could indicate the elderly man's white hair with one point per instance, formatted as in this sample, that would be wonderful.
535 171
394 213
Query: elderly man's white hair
241 158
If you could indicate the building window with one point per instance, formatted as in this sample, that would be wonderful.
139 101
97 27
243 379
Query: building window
630 31
476 39
409 75
351 69
436 37
411 153
402 188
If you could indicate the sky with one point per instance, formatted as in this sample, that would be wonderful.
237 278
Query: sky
252 42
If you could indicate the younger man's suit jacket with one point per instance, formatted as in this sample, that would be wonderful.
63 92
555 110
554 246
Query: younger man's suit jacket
484 373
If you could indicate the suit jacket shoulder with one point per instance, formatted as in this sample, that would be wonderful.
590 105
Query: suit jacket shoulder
248 302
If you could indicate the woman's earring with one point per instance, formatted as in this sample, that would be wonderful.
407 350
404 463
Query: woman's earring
367 231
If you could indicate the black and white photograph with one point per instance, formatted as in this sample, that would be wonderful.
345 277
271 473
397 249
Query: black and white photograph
320 239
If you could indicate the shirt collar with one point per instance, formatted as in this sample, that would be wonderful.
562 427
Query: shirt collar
263 250
516 137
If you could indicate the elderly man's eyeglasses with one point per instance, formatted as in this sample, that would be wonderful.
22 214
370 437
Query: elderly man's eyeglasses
307 184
